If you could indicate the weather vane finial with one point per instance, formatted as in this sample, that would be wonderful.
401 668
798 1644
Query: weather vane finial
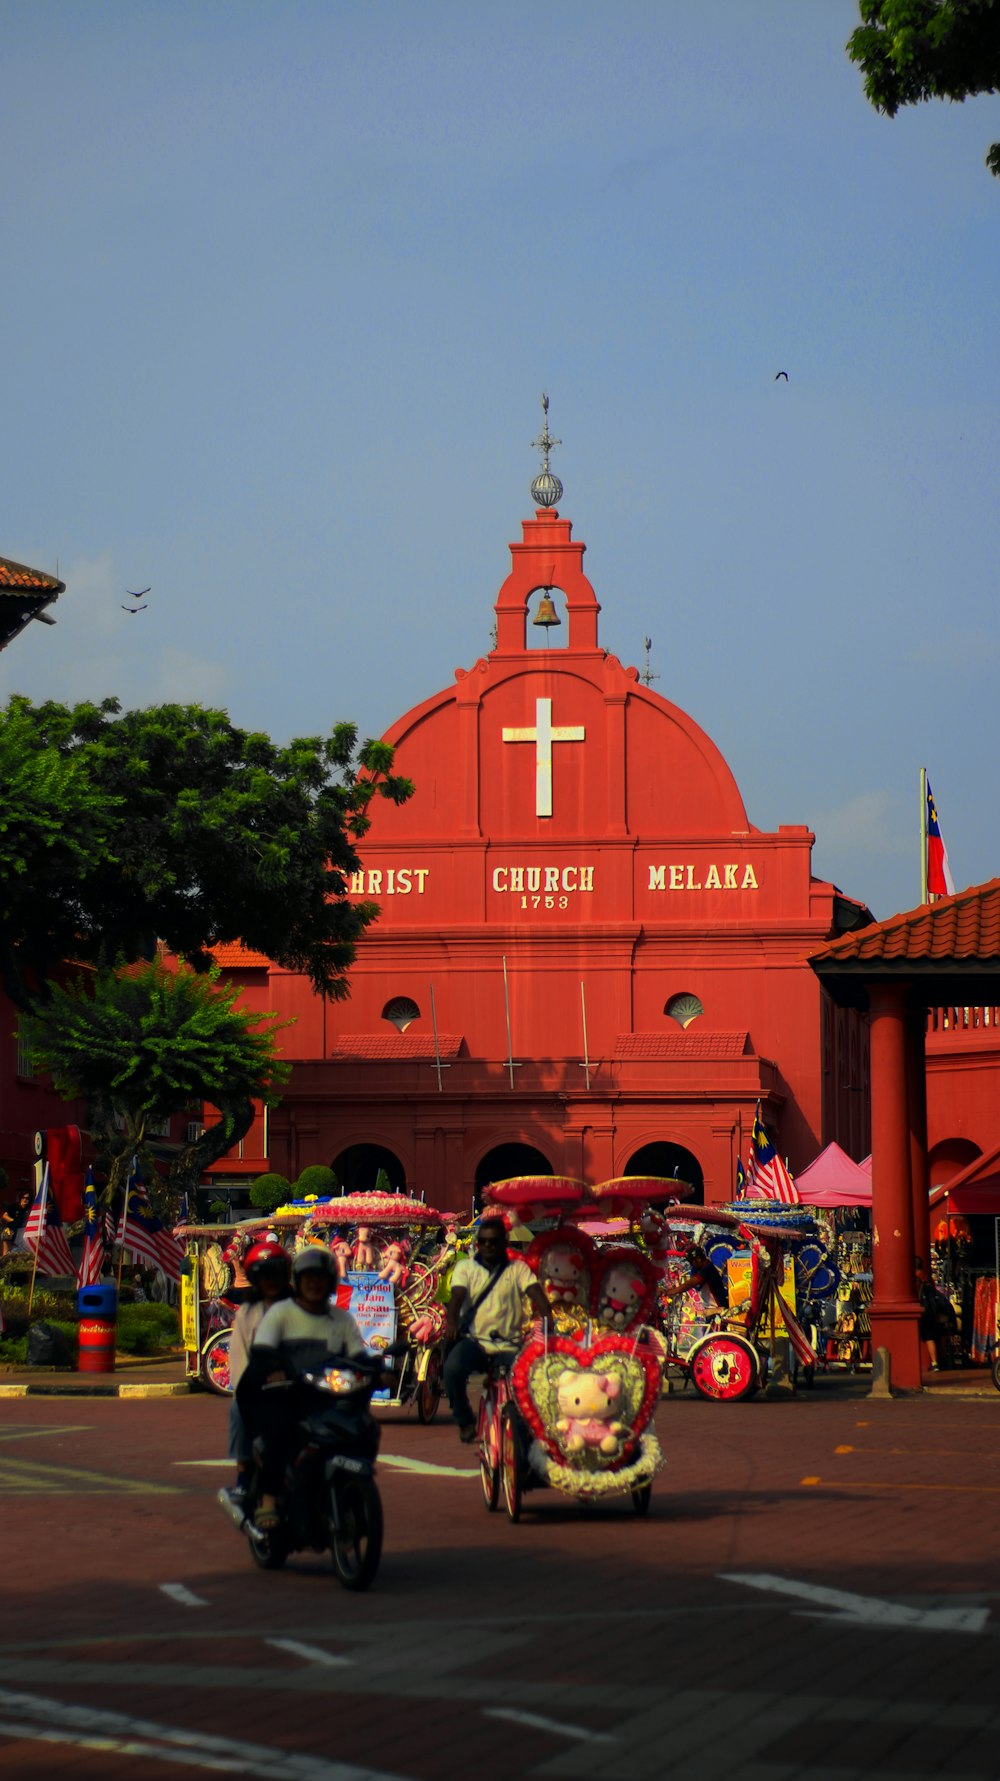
546 489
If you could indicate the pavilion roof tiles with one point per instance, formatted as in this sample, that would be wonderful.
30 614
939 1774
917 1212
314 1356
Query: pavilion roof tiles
18 578
232 955
964 927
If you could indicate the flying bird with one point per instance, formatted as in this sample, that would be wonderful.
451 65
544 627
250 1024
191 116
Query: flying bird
137 593
132 610
777 374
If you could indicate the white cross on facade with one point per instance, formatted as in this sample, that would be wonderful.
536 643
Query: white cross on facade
543 735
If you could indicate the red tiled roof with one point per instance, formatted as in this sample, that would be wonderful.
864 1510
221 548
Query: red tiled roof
641 1046
378 1048
18 576
962 928
232 955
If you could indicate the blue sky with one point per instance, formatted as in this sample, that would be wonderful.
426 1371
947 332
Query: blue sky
284 284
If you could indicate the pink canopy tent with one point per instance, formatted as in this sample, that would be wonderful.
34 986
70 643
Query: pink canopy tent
833 1180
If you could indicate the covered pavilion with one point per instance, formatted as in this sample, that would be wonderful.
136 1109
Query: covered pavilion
945 953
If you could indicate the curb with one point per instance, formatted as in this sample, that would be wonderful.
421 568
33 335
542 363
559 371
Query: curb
121 1389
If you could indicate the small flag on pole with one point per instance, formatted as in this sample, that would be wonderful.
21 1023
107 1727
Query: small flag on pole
92 1260
768 1179
741 1179
939 879
146 1235
44 1234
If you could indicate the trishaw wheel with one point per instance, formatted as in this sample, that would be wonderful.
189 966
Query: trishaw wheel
641 1499
489 1474
429 1389
510 1464
215 1364
723 1367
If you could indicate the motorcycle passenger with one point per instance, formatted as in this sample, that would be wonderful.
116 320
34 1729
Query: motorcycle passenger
297 1335
268 1269
484 1315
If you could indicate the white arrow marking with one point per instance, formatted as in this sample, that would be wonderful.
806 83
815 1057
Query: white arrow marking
179 1593
311 1652
864 1609
424 1467
540 1723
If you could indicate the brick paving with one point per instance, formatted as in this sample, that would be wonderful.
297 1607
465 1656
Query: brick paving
572 1645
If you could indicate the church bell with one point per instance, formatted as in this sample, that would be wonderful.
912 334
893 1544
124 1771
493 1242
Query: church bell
546 614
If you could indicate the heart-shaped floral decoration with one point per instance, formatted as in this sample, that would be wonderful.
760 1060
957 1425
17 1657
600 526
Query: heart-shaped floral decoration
588 1404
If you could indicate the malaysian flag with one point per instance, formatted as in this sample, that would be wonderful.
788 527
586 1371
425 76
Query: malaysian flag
768 1178
92 1260
146 1235
44 1234
741 1179
940 882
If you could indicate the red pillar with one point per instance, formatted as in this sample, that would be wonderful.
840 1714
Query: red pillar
917 1093
894 1311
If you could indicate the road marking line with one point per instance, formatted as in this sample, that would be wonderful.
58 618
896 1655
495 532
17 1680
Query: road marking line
35 1475
842 1606
178 1592
96 1728
540 1723
61 1428
312 1652
425 1468
201 1462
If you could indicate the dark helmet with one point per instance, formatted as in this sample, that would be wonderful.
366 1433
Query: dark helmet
314 1256
266 1256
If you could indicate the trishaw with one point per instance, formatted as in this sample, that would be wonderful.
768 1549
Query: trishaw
573 1411
212 1284
725 1351
392 1251
390 1255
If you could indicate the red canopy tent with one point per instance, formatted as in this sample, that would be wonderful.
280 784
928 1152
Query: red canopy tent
834 1180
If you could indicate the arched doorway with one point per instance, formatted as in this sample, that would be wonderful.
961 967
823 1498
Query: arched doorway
948 1157
357 1168
670 1159
505 1160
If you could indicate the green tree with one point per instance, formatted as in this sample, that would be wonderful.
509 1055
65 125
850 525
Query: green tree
910 50
317 1179
142 1043
121 829
269 1192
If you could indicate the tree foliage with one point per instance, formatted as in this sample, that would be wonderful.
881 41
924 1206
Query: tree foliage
143 1043
317 1180
119 829
911 50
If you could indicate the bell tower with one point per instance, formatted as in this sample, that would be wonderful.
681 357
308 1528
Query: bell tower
546 558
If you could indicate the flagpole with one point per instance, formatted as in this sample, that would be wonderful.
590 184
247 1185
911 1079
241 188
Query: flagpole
586 1054
121 1245
41 1233
923 835
437 1048
506 1003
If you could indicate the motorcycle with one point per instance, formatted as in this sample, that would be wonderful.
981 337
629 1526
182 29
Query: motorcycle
330 1499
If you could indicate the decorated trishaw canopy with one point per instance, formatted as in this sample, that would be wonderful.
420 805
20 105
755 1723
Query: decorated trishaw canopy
537 1193
623 1197
374 1209
629 1194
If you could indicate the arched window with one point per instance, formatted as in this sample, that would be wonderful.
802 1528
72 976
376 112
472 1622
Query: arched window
683 1008
400 1012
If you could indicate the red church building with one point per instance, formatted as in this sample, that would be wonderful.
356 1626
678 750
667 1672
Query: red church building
588 960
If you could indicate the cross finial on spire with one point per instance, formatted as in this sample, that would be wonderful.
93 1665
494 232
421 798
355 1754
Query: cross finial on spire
546 489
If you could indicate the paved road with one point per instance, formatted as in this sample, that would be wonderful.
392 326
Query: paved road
815 1593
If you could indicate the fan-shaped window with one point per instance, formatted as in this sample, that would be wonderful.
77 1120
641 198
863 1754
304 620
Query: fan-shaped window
684 1008
400 1012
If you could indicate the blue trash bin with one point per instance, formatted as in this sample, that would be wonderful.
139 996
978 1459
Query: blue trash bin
97 1307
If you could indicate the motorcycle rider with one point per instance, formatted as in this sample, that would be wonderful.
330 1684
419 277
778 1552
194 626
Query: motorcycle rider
297 1335
267 1268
